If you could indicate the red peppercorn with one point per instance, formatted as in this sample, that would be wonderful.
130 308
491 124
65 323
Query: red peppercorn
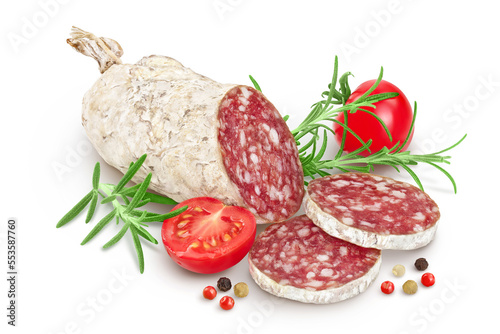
226 302
209 292
428 279
387 287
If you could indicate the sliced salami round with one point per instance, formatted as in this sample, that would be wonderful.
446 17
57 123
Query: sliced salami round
372 211
260 154
299 261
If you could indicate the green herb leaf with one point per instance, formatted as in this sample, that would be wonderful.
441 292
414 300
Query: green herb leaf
109 199
138 248
255 84
134 168
75 210
133 219
139 194
146 235
93 204
154 198
344 86
96 176
102 223
161 218
117 237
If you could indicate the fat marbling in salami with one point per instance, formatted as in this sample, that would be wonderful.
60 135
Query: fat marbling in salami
372 211
299 261
202 138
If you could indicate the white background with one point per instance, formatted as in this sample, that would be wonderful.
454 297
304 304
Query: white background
444 55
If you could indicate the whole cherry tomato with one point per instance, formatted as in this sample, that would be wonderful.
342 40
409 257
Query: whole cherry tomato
396 113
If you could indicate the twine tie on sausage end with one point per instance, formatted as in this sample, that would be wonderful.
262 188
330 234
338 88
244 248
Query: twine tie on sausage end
106 51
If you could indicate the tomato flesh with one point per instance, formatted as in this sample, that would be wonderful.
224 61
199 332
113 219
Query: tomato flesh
396 113
209 236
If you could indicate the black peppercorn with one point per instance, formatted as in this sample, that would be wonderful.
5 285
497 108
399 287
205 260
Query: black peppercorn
421 264
224 284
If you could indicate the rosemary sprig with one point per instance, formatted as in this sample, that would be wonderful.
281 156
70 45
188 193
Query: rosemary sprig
132 197
393 157
324 110
311 156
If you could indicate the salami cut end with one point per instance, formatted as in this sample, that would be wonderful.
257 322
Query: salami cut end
260 155
372 211
299 261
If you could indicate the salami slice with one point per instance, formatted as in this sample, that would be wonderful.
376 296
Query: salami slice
372 211
260 154
299 261
202 137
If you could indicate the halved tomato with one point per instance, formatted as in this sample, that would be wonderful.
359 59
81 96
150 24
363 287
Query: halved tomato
209 236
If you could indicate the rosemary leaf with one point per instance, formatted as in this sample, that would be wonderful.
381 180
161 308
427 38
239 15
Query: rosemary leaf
130 191
138 213
452 146
102 223
143 202
146 235
139 194
334 81
109 198
386 129
256 85
447 175
96 176
93 204
154 198
134 167
412 126
138 247
344 86
75 210
117 237
414 176
161 218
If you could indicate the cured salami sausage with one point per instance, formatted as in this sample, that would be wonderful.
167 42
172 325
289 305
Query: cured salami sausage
299 261
203 138
372 211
